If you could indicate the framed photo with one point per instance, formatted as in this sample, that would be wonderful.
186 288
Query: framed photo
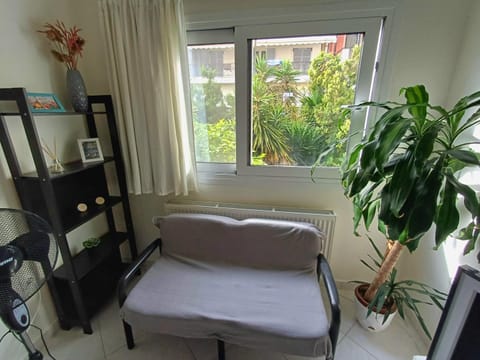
44 102
90 150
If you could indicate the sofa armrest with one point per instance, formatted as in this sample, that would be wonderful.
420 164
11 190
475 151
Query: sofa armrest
133 268
323 269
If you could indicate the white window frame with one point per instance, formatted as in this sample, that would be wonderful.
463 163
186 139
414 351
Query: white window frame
241 36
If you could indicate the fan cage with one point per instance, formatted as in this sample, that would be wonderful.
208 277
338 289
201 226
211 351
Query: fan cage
32 274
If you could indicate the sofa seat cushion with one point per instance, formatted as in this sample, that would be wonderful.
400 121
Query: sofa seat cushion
278 310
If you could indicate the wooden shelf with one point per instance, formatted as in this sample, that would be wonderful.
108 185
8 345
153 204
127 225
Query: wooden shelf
97 288
75 219
88 259
53 113
70 168
86 281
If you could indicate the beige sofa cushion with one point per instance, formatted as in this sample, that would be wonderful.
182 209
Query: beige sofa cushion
258 243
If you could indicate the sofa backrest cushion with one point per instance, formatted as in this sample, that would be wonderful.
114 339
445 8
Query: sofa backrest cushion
260 243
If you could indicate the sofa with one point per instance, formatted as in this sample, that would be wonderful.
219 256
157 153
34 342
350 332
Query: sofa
252 282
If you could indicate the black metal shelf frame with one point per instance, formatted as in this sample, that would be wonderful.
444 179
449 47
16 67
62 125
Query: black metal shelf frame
78 286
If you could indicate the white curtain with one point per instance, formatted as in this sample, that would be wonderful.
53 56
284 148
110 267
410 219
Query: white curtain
145 43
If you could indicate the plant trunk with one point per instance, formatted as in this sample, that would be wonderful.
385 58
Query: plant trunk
388 248
387 266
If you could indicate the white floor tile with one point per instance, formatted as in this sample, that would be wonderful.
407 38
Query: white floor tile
75 345
348 350
203 348
234 352
347 312
155 347
108 342
390 344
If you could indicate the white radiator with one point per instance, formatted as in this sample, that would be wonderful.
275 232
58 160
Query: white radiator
323 219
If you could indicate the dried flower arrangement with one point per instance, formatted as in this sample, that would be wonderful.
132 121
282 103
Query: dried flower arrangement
68 44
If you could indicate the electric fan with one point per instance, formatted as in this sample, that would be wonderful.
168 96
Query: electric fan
28 252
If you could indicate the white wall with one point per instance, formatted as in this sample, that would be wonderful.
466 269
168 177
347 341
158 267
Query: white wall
437 268
424 41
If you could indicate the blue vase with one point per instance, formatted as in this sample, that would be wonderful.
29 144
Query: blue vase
77 91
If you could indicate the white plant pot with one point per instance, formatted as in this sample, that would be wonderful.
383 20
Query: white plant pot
374 322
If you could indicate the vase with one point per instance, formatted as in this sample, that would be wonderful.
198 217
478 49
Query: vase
77 91
375 321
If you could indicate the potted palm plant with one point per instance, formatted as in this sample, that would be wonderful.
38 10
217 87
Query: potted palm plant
405 175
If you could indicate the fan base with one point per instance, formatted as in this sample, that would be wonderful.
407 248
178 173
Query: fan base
37 355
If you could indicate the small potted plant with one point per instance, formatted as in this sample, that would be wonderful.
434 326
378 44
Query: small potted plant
91 243
405 175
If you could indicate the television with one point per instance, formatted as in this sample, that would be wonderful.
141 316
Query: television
457 334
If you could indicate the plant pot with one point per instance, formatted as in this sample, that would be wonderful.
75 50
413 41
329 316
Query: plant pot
77 91
374 322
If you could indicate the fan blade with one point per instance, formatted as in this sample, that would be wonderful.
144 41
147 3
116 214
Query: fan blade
11 259
34 245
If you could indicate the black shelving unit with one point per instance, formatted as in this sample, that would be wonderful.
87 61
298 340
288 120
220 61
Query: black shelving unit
85 281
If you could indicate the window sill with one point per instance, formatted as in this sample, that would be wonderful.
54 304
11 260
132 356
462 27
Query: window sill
232 178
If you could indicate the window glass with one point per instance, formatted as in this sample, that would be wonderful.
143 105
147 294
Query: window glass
269 99
297 98
212 81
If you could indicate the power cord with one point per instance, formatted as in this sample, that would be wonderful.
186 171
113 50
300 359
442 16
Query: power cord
43 341
16 336
3 336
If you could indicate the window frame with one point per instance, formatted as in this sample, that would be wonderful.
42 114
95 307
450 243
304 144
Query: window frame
241 36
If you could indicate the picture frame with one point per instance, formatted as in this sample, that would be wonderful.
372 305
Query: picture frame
44 102
90 150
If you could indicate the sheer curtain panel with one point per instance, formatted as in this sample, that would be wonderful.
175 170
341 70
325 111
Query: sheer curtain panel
145 43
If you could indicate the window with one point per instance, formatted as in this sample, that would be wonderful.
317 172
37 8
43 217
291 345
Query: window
286 106
301 58
267 53
203 59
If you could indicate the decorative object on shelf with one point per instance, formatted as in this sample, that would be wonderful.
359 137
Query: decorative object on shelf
77 91
57 166
90 150
82 207
91 243
68 47
99 200
44 102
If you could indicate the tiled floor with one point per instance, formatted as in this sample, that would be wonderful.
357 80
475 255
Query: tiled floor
398 342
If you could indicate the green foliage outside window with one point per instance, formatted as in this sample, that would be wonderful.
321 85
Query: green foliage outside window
215 142
293 123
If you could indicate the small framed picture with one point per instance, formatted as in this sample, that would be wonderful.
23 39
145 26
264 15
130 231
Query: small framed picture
90 150
44 102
